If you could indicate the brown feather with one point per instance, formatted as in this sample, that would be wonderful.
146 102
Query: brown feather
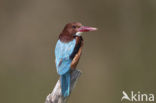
78 51
68 32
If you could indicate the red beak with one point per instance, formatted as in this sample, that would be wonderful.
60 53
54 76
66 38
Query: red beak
86 29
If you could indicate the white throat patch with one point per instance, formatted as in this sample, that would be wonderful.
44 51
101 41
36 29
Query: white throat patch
78 34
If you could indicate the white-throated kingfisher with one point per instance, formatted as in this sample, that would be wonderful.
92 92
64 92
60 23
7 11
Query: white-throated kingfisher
68 51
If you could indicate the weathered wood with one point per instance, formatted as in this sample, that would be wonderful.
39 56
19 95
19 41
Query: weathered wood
55 96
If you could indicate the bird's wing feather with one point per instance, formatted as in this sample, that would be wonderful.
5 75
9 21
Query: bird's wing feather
63 52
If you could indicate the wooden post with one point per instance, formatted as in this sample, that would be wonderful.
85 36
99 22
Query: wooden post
55 96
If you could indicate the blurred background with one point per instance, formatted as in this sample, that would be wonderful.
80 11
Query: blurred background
119 56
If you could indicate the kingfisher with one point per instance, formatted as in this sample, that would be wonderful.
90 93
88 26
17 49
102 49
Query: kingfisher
68 51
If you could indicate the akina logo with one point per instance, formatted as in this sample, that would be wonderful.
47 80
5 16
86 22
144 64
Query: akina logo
137 96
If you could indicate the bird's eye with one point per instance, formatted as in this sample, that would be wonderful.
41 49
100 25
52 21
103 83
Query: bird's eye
74 27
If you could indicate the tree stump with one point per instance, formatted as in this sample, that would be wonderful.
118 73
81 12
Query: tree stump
56 96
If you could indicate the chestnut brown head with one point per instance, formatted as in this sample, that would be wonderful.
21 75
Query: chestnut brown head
74 29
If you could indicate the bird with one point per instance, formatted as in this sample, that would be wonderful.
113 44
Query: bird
68 51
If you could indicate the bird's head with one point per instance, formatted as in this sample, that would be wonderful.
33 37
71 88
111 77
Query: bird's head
72 30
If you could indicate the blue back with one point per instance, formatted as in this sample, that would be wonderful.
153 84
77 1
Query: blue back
63 51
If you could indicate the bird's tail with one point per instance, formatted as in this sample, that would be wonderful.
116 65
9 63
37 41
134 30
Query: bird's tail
65 84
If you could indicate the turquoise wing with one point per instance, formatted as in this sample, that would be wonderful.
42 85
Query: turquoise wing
63 52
